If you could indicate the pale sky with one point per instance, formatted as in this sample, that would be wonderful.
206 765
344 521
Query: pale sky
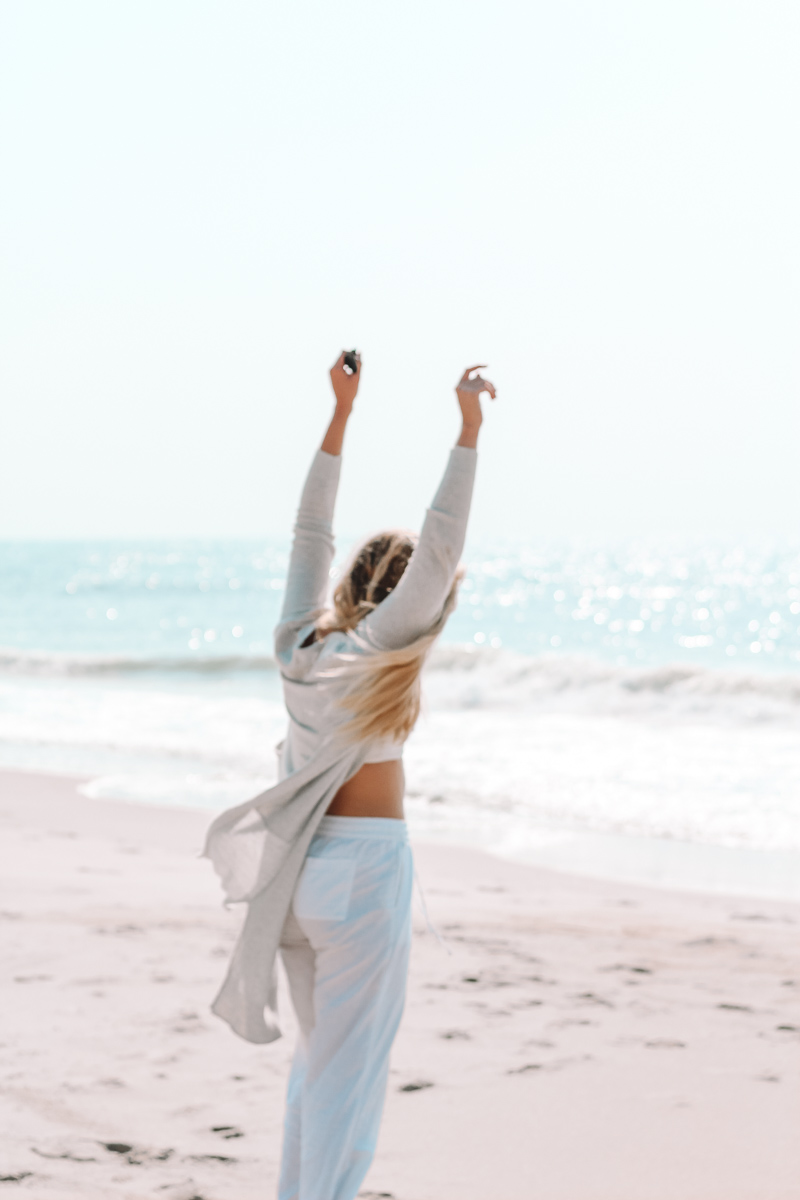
203 200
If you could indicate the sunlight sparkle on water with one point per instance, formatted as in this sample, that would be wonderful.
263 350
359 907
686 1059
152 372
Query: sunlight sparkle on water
711 604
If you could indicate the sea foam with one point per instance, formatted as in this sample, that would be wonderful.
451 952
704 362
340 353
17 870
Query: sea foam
508 746
475 676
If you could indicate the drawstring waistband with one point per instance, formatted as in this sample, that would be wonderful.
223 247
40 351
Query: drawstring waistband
368 828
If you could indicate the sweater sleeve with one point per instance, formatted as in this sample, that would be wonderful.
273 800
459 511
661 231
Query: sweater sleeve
417 600
312 546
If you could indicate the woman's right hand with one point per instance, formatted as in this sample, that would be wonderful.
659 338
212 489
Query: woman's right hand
344 389
345 386
468 392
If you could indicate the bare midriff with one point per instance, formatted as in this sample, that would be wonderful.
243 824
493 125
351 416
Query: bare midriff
376 790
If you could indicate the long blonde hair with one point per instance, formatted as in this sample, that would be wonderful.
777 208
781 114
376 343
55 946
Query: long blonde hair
382 689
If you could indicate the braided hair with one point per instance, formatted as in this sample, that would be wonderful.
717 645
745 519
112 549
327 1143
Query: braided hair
382 690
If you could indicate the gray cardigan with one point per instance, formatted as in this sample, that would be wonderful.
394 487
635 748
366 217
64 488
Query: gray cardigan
258 848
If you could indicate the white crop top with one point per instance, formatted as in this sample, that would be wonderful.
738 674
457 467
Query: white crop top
384 751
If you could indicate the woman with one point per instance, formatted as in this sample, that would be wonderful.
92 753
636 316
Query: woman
322 858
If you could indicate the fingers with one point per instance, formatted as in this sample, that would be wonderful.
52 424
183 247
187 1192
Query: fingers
342 365
469 370
486 386
477 385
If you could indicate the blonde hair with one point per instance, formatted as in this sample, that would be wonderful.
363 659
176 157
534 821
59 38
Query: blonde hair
382 690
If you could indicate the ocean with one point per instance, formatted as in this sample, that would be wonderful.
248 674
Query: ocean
628 709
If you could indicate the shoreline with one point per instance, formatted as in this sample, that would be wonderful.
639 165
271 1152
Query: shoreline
677 772
662 863
583 1039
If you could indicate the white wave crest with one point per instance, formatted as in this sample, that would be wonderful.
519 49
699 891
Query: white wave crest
477 677
466 676
34 662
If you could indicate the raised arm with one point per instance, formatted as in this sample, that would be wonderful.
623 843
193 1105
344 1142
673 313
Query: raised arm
312 546
417 601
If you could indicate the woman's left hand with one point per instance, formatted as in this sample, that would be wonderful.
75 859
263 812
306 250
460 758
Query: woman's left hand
469 393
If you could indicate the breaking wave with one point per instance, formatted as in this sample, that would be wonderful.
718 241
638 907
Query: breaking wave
20 662
499 676
508 745
466 676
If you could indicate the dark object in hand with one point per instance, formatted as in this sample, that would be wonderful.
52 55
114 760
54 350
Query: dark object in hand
351 362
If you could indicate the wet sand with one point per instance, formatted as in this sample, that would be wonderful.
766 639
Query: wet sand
583 1040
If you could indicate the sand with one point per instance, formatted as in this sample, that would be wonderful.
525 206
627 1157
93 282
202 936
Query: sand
582 1041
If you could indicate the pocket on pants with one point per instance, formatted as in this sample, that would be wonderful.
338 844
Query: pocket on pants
323 889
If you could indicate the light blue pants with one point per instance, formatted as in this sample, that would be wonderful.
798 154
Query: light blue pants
345 947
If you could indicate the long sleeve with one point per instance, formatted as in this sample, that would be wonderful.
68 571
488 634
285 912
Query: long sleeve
417 600
312 547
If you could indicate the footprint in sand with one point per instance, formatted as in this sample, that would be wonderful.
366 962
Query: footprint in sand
227 1131
624 967
118 930
698 943
221 1158
185 1192
189 1022
565 1024
593 998
137 1156
82 1150
555 1064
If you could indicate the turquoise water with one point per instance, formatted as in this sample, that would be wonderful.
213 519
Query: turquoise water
196 602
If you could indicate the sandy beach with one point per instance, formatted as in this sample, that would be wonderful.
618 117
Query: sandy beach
582 1040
